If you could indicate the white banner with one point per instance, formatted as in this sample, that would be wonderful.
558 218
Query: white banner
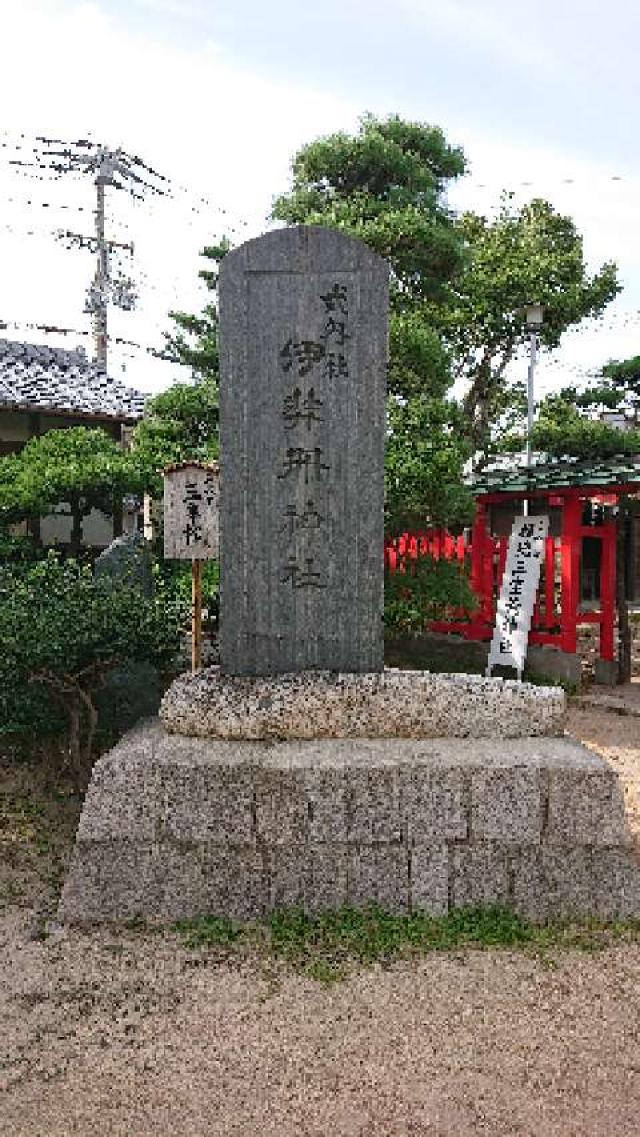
518 592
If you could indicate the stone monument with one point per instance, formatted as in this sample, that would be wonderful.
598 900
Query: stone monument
300 772
303 342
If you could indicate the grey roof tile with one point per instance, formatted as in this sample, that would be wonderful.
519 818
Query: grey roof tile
37 377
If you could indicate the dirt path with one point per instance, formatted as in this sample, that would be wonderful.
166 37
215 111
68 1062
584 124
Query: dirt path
133 1034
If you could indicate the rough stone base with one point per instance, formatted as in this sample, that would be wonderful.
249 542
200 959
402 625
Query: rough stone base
176 827
550 663
391 704
605 672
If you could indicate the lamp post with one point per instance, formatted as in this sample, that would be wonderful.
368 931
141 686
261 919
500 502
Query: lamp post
533 315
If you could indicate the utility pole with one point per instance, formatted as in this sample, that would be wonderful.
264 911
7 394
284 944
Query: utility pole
101 279
116 169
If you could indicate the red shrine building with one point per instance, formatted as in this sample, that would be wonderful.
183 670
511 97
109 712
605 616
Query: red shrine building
578 575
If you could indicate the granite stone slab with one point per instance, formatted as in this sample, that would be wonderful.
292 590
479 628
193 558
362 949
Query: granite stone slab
175 827
327 704
303 358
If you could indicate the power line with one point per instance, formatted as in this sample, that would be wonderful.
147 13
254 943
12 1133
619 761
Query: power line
118 170
58 330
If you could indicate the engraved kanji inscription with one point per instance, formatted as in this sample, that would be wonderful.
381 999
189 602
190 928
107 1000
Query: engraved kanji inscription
301 356
335 330
309 518
310 461
192 502
335 300
302 576
335 366
298 407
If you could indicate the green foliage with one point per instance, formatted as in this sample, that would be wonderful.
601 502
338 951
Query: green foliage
180 423
209 931
385 186
564 430
428 590
528 255
18 549
62 631
425 455
174 578
622 377
418 363
84 468
194 343
326 947
568 423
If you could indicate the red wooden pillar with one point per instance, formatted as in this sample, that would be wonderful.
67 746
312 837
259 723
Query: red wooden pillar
478 536
607 590
570 559
549 582
482 564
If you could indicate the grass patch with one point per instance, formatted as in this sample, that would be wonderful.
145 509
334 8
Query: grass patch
371 935
20 819
210 931
567 686
329 946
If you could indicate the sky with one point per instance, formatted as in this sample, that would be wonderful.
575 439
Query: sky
218 95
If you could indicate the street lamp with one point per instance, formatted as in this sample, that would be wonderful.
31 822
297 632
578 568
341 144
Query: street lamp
533 317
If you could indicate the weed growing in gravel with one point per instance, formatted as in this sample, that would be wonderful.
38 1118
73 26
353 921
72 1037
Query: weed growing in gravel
210 931
326 947
373 935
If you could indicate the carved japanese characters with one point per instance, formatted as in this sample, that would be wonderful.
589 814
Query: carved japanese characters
303 341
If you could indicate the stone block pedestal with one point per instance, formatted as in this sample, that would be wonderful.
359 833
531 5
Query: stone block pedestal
176 827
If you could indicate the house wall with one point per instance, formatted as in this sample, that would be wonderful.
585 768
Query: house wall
97 528
14 431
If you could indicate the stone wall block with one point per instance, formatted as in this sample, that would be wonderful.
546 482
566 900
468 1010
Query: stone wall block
433 802
236 882
210 803
109 880
479 875
374 804
281 804
429 875
587 808
326 886
326 794
552 882
124 800
312 877
286 870
179 882
379 874
616 884
506 804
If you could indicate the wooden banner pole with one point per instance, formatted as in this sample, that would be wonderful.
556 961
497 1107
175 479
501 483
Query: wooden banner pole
196 615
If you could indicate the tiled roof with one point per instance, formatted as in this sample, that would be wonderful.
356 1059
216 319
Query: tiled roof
559 474
36 377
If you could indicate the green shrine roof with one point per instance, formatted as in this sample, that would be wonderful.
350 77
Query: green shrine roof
562 473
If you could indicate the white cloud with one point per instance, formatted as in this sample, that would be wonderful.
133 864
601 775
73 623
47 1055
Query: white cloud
603 205
228 134
221 131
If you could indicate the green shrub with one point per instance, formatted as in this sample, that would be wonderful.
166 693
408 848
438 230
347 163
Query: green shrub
428 590
62 633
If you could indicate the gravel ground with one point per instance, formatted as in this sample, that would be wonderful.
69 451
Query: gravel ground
133 1034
